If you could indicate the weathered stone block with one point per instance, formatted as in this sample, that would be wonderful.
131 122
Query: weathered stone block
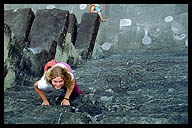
9 79
17 25
19 21
48 31
32 60
87 34
49 25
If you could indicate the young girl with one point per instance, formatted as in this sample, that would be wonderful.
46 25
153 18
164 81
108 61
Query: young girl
57 75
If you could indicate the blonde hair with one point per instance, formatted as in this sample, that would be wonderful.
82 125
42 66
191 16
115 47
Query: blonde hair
58 71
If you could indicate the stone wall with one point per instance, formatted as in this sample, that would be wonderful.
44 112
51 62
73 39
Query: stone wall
16 29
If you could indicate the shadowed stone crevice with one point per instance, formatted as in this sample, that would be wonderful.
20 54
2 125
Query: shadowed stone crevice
72 27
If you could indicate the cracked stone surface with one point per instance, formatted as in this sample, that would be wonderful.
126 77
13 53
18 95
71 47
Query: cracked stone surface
121 88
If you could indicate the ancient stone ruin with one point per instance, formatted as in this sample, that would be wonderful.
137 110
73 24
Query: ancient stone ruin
31 40
138 73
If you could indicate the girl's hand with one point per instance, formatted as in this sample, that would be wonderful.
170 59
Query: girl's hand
65 102
45 103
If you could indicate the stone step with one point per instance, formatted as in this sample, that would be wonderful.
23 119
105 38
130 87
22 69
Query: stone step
21 88
53 114
27 120
22 95
109 95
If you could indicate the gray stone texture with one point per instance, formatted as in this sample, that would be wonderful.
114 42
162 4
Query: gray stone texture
17 24
52 25
121 89
48 30
87 34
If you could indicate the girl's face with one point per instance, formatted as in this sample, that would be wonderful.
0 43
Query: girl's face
58 82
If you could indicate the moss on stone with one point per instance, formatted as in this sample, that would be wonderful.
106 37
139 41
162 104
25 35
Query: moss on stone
9 79
62 55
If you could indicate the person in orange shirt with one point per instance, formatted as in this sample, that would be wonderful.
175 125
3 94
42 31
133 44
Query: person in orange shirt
96 8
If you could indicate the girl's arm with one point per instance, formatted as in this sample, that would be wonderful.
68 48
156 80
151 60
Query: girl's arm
68 93
41 94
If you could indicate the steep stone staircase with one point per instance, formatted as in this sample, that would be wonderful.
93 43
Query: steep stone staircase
121 88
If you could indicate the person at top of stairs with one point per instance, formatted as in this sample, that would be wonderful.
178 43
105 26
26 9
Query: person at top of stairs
96 8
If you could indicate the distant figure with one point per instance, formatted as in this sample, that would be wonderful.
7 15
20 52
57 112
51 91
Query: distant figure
59 76
96 8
